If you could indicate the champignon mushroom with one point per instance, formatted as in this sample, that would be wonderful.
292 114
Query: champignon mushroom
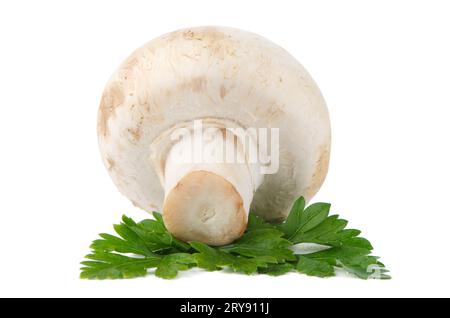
222 79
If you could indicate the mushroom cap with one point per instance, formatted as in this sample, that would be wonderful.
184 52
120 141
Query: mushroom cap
214 73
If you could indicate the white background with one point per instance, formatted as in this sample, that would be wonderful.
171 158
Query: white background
383 67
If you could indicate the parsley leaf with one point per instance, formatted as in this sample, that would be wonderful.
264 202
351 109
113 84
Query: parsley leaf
105 265
353 259
262 243
301 220
264 249
314 267
277 269
170 264
212 259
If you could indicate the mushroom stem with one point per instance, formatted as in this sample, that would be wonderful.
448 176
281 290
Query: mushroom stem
209 186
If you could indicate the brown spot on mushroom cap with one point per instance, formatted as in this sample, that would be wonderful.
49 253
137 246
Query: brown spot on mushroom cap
113 96
135 133
195 84
219 43
129 66
272 111
110 164
320 172
275 111
191 35
223 91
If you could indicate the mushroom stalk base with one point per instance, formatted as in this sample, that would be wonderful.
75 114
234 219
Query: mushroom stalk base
207 200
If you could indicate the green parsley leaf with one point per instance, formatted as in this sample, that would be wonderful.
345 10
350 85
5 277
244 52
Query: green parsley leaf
262 243
353 259
314 267
213 259
292 223
264 248
277 269
105 265
170 265
256 223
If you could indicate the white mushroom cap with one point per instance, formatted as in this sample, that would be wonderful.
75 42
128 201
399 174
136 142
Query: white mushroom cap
224 76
